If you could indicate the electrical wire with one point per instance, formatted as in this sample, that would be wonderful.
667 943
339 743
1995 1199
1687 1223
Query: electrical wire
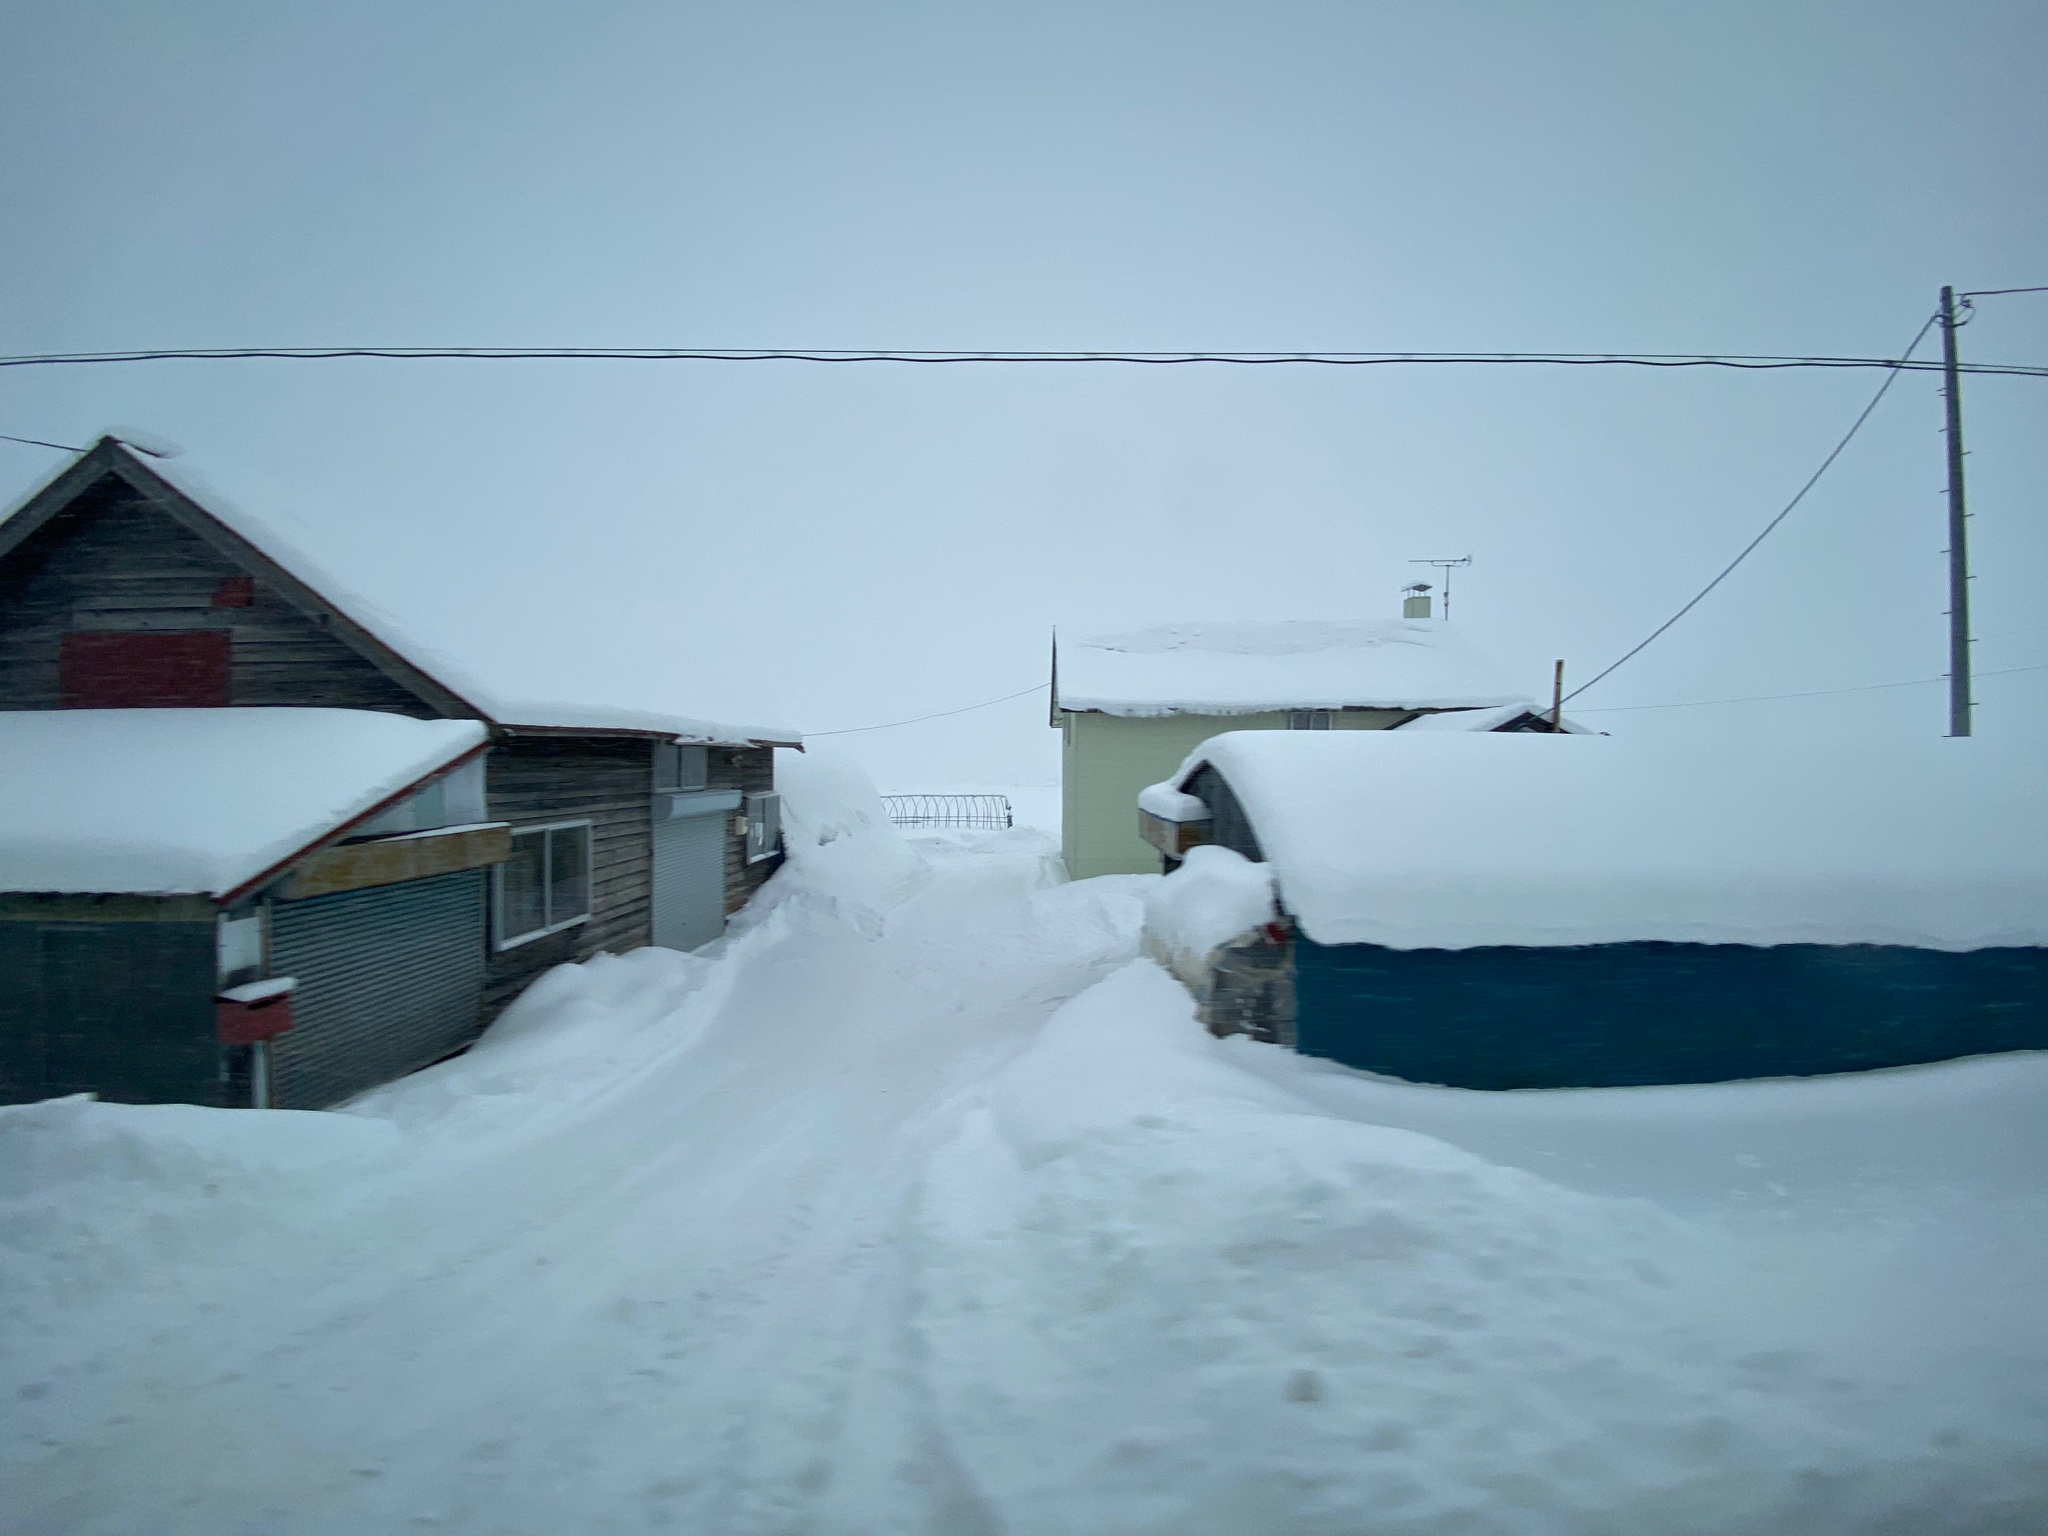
1812 693
1987 293
884 355
891 725
1605 709
1785 512
37 442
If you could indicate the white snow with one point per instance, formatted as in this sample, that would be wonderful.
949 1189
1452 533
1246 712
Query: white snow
259 991
920 1205
1215 896
1170 804
1460 839
1485 719
196 800
151 443
1243 668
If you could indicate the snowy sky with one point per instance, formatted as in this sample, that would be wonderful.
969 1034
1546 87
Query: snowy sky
837 546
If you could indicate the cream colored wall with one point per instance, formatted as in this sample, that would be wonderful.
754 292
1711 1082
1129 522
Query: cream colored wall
1106 759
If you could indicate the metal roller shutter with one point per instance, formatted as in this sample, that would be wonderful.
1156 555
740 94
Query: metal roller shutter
689 880
390 979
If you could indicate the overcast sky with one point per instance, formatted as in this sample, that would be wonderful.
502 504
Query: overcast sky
839 546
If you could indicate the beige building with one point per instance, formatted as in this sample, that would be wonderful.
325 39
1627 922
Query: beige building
1131 706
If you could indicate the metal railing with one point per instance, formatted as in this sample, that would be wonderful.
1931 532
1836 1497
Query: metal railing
971 813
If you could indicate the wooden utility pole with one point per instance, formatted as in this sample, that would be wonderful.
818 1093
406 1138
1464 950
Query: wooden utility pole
1958 541
1557 698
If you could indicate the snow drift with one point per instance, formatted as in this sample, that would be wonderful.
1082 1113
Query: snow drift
920 1204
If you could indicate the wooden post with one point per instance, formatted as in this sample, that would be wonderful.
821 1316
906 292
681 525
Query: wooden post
1958 538
1557 697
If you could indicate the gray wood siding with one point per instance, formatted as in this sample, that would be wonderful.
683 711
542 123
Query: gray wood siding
751 769
112 561
532 780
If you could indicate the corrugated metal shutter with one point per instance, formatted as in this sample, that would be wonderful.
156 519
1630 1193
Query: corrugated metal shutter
689 880
390 979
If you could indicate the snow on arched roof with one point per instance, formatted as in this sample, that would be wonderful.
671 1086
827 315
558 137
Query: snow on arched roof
1245 668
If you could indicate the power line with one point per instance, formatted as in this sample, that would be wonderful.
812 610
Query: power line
1987 293
892 355
1812 693
1785 512
37 442
891 725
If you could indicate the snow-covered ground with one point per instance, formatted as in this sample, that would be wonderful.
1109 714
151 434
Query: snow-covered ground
922 1205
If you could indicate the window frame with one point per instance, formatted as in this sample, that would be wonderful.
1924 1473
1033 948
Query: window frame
670 776
545 830
766 847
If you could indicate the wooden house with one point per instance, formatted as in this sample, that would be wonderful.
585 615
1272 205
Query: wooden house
1130 706
1513 911
127 585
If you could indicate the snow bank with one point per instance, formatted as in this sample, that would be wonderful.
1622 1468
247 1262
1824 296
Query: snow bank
842 851
925 1230
1215 896
1453 840
196 800
1160 1293
1222 669
94 1196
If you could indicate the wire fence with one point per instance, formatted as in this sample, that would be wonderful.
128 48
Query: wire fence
968 813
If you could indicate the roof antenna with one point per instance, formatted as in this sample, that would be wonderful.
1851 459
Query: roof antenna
1446 566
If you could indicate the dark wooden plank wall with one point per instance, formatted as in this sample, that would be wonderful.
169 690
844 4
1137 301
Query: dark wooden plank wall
533 780
122 1008
112 561
751 769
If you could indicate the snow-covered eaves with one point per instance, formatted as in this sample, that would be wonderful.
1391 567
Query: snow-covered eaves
1170 804
199 801
1245 668
529 717
444 680
1457 839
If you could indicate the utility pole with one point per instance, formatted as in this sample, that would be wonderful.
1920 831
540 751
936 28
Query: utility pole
1958 543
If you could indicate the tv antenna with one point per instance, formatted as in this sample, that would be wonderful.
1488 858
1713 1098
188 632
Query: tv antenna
1446 566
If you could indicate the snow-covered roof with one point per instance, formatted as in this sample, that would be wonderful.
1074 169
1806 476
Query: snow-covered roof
1459 839
1231 669
458 676
197 800
1485 719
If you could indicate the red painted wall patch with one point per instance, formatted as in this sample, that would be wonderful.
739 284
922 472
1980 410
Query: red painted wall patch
154 669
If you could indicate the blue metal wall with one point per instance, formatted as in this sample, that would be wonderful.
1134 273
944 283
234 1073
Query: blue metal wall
1614 1015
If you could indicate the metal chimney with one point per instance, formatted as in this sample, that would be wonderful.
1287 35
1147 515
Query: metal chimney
1415 600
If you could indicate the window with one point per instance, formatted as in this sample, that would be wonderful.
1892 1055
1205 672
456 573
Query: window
681 767
1308 720
456 799
544 886
764 826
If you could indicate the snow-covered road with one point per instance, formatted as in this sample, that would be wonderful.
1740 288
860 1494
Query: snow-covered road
923 1206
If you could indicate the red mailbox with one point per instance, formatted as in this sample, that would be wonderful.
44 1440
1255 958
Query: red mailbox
252 1014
